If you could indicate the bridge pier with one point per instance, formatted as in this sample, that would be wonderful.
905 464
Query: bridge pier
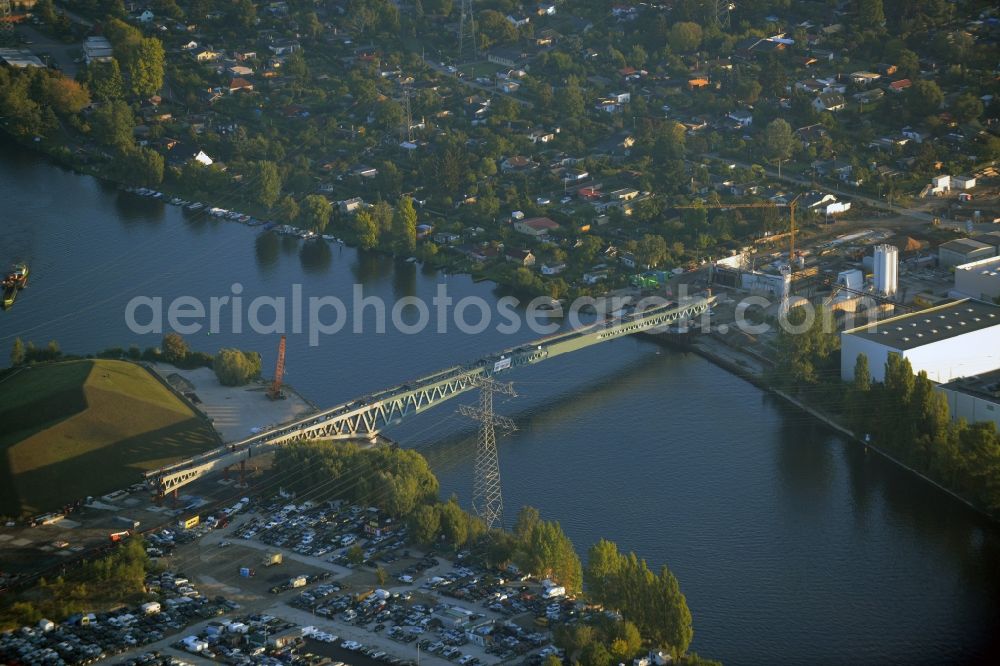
243 468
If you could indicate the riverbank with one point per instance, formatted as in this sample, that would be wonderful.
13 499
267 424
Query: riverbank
750 367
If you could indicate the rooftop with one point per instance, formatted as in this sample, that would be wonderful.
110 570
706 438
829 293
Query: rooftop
989 266
986 386
20 58
942 322
963 245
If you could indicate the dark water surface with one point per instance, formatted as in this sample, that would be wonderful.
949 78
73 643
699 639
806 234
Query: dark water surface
791 545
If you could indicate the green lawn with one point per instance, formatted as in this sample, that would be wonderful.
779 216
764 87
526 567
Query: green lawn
78 428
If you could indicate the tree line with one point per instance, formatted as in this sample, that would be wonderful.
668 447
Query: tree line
910 420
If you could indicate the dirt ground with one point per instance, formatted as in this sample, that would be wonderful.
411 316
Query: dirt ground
236 411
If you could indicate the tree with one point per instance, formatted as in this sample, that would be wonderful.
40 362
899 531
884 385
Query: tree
570 101
288 210
267 183
175 349
684 37
113 124
139 165
236 368
602 571
104 79
454 524
389 114
859 396
64 95
779 141
380 576
366 230
425 524
871 15
966 108
547 552
145 67
316 211
438 7
924 98
404 227
17 353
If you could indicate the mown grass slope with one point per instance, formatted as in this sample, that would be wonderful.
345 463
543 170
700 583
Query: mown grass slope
87 427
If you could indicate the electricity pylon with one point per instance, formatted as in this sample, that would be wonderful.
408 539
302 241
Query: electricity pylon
487 498
468 45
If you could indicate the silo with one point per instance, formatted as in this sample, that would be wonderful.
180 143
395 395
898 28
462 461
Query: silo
886 270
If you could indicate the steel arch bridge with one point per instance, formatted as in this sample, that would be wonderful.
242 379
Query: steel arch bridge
365 417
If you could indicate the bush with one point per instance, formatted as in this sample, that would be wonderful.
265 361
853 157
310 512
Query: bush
234 367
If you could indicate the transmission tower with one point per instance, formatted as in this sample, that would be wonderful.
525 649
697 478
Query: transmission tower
723 8
487 499
468 45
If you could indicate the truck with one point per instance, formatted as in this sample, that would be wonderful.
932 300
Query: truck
118 536
272 558
298 581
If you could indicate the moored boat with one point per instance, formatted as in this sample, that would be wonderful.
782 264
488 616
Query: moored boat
13 283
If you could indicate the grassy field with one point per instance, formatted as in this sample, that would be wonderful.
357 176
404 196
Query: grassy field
78 428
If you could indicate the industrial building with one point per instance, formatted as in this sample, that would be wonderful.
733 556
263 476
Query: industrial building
97 49
957 339
886 265
974 398
962 251
979 279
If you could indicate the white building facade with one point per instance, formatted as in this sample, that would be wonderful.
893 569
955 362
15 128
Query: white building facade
979 279
958 339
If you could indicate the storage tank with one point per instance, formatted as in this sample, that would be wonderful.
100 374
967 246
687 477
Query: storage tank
886 265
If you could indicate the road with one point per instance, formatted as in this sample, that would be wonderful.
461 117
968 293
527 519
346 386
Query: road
471 83
852 194
62 54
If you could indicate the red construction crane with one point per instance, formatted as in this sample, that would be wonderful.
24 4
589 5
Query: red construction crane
279 370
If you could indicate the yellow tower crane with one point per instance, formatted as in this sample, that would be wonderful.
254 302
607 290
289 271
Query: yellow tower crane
791 205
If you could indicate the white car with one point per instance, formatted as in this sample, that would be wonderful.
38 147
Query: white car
543 201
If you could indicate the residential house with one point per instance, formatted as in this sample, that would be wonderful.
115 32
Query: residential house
509 87
810 134
541 136
545 9
240 70
239 84
741 117
554 269
522 258
351 205
517 164
595 276
284 47
869 96
190 46
899 86
623 194
963 182
146 16
207 55
864 78
698 83
536 226
829 102
446 238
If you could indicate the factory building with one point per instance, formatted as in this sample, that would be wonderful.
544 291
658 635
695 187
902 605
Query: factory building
979 279
974 398
886 266
962 251
957 339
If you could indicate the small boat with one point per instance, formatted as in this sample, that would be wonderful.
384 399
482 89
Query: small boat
411 260
13 283
244 218
175 201
330 238
196 205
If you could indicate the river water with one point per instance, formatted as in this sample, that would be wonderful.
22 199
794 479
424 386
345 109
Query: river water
790 544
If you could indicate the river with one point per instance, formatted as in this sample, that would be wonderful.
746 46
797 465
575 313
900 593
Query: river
790 544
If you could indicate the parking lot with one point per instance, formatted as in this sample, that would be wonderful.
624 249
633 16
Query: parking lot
281 582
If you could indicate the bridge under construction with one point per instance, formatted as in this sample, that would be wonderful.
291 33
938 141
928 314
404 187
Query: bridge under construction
365 417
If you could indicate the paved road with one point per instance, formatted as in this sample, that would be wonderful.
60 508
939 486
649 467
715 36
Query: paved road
471 83
62 54
852 194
